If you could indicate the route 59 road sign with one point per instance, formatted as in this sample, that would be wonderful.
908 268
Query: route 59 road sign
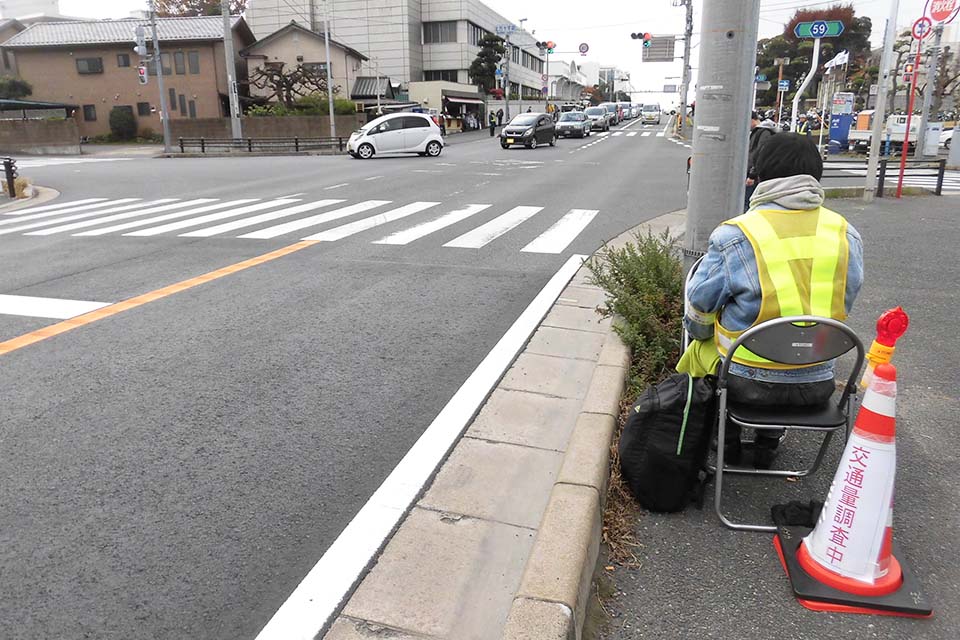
818 29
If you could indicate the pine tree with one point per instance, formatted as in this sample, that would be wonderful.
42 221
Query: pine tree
483 70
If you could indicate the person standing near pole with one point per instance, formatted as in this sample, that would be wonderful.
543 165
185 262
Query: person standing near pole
760 132
492 119
499 117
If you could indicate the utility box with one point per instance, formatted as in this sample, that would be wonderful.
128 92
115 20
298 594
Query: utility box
931 144
840 127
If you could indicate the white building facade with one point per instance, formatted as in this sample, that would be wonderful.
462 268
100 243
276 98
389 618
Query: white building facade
567 81
409 40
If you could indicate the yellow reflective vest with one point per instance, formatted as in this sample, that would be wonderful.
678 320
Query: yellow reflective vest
802 259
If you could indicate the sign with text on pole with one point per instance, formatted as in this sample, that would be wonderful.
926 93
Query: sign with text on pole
922 28
783 86
818 29
505 29
942 10
661 49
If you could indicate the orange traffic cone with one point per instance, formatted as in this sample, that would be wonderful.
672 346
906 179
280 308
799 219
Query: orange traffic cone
847 562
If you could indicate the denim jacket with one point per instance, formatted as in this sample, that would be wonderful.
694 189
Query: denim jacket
728 280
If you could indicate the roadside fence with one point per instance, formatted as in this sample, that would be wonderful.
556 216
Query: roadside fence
887 171
261 145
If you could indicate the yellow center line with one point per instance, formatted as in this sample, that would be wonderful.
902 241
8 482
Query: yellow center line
125 305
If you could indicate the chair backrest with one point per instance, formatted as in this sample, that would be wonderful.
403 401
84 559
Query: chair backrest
799 340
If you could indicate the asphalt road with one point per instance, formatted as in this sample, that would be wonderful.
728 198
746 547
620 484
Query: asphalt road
174 470
700 580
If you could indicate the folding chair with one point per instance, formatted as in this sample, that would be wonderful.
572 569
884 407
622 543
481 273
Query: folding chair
797 340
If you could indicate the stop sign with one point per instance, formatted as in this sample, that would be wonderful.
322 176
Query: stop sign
940 10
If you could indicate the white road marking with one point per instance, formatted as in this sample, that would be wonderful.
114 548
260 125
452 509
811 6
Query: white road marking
53 161
213 217
647 134
329 216
292 195
71 209
492 230
617 133
560 235
320 593
88 214
336 186
163 218
373 178
56 308
120 216
660 134
263 217
632 133
415 233
603 134
52 207
349 229
427 171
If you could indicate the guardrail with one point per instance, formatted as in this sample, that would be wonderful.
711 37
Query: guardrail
261 145
887 169
10 175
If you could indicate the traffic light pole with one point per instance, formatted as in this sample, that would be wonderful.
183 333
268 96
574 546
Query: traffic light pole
879 109
728 51
158 67
506 80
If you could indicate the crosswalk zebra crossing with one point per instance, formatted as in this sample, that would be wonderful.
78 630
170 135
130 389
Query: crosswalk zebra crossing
265 219
52 161
631 134
951 179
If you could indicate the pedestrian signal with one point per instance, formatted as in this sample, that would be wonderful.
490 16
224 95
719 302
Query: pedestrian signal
142 74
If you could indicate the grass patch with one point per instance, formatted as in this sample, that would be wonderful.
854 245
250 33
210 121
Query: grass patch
643 281
19 185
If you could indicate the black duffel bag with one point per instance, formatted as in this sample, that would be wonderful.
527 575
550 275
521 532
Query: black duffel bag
664 445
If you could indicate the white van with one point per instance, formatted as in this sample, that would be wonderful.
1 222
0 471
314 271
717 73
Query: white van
650 113
397 133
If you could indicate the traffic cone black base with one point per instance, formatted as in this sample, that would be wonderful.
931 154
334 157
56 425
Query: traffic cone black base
907 601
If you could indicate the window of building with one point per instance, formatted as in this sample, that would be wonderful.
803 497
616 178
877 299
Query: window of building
123 59
437 32
89 65
179 63
515 54
193 61
450 75
475 34
193 108
90 112
173 99
143 109
183 105
165 64
317 69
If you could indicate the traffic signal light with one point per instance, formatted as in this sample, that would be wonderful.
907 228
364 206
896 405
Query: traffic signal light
140 40
142 74
642 35
547 45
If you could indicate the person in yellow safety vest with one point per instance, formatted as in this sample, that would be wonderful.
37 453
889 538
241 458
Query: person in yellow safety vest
804 128
787 255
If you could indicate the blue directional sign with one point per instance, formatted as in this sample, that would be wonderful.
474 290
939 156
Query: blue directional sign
783 85
761 77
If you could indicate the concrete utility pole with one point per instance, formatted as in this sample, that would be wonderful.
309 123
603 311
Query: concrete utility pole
231 70
326 45
685 82
728 52
879 112
158 67
932 67
506 78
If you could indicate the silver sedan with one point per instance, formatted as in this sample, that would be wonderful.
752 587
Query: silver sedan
573 123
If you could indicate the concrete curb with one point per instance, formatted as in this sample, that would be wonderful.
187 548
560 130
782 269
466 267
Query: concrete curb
551 602
40 196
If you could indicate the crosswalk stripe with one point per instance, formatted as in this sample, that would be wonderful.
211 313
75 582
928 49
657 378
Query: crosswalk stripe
647 134
338 233
617 133
660 134
193 222
120 216
60 212
263 217
52 207
415 233
632 133
603 133
492 230
156 219
556 238
88 214
329 216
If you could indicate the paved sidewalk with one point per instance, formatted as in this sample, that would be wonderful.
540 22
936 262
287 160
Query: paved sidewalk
700 580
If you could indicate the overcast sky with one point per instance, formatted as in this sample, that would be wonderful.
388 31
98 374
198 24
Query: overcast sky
571 22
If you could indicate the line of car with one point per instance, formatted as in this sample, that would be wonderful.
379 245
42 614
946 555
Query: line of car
419 133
